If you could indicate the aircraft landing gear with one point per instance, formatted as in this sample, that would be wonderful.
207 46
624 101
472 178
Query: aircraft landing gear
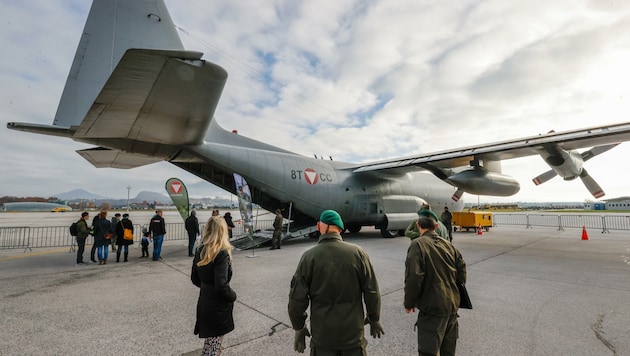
354 228
389 233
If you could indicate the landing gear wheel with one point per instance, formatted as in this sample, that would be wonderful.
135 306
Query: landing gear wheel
354 228
389 233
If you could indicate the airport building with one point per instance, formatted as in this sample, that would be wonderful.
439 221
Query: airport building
622 203
36 206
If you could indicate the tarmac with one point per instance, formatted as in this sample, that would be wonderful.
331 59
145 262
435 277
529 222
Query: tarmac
534 292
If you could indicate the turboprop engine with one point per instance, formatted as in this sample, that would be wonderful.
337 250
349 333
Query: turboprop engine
569 165
483 182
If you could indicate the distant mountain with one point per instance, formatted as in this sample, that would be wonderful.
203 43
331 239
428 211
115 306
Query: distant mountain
197 190
150 197
79 194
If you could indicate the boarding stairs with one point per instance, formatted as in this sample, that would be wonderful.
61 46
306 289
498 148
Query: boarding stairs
260 237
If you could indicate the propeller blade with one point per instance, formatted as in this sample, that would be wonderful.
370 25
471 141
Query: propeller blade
544 177
596 151
591 185
458 194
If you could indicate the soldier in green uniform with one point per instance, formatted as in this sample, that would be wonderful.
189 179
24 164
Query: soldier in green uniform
413 230
336 277
432 270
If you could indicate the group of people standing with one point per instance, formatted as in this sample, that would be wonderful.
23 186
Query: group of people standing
117 233
337 280
105 233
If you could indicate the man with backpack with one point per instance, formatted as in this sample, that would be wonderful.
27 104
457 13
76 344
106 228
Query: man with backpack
81 232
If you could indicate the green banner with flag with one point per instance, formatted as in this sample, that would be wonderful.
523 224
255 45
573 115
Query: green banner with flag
179 195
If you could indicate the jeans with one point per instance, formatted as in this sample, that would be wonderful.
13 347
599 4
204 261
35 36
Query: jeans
103 252
81 248
157 246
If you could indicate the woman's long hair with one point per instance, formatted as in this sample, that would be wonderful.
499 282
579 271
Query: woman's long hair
215 238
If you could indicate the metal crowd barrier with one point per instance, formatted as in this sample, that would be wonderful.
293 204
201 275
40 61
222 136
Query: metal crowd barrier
591 221
58 236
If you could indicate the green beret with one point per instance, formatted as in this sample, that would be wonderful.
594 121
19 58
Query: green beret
428 213
331 217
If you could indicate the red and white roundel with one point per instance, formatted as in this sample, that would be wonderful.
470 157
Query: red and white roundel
310 175
176 187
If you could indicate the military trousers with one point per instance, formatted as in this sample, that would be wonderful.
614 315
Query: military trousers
437 333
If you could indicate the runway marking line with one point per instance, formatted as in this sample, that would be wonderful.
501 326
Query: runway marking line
32 254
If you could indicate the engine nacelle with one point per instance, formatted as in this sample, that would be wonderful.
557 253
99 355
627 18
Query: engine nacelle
566 164
482 182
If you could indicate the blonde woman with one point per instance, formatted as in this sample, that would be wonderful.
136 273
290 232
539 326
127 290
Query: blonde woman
212 272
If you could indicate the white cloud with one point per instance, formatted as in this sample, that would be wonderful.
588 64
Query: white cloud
357 80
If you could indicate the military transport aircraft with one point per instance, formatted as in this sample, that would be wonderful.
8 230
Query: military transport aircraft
139 97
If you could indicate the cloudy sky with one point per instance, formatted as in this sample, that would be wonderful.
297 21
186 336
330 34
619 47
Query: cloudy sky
356 80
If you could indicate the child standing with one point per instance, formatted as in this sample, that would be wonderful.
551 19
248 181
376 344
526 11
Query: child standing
145 243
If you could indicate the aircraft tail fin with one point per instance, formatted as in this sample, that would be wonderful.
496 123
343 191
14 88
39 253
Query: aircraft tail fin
112 27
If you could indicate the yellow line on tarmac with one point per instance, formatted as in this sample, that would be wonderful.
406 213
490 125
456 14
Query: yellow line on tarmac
40 253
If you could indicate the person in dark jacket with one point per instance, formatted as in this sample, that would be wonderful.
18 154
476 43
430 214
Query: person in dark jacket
336 277
82 233
447 220
192 228
122 242
157 229
102 236
93 250
230 223
432 270
212 272
115 221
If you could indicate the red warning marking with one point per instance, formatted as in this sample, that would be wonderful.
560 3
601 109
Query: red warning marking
176 187
311 176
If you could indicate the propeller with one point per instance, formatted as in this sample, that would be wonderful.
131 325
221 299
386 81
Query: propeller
568 164
591 184
458 194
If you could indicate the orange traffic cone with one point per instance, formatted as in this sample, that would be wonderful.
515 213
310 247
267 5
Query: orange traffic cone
584 234
479 232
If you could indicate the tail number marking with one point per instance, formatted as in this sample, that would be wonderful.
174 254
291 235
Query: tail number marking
311 176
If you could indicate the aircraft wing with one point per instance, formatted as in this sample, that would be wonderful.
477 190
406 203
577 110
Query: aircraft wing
527 146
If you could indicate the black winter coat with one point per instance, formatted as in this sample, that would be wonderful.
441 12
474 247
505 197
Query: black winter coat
120 233
216 298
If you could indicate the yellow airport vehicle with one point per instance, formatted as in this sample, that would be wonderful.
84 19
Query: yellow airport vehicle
59 209
472 220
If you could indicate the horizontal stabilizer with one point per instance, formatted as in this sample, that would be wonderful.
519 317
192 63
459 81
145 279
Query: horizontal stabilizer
162 97
40 129
105 158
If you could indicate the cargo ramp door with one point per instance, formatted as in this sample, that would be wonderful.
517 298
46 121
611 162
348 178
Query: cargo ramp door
262 236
